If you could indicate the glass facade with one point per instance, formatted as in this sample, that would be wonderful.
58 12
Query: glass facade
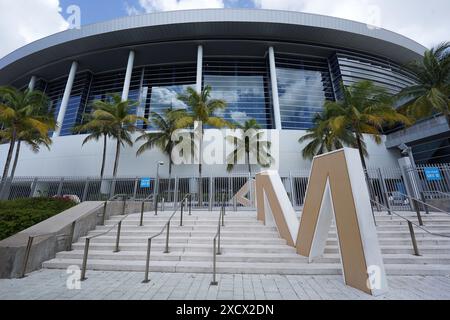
350 68
244 84
304 84
77 101
162 84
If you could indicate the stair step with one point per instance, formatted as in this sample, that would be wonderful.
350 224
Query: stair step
249 246
185 240
249 257
191 248
241 268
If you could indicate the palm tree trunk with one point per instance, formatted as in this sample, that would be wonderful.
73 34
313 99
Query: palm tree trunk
116 161
360 149
102 170
9 156
16 159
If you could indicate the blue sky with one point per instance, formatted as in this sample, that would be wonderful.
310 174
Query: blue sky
24 21
102 10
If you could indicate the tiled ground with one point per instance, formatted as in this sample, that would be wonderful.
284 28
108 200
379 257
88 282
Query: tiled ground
51 284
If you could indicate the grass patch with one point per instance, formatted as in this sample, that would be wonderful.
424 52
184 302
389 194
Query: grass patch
20 214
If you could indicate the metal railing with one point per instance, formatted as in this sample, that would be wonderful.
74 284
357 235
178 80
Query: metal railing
88 240
105 205
436 194
167 228
119 228
411 226
425 204
146 200
69 240
216 241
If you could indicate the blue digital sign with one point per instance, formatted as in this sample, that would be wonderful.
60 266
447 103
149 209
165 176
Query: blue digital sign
433 174
146 182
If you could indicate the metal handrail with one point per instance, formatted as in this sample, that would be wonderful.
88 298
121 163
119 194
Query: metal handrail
88 240
447 195
105 204
167 228
411 226
424 203
69 236
216 240
141 221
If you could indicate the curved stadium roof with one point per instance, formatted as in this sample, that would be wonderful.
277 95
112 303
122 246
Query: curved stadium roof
196 25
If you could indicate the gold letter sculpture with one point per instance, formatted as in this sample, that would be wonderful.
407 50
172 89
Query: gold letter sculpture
336 189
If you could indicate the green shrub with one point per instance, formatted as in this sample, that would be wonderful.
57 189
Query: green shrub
18 215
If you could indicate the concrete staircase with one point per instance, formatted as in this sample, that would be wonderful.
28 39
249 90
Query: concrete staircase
250 247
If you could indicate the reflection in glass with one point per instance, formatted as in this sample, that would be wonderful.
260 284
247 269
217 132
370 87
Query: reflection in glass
243 85
303 88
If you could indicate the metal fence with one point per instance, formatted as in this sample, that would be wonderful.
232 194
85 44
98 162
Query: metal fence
391 187
396 187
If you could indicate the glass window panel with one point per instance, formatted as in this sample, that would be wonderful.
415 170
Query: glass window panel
304 84
243 84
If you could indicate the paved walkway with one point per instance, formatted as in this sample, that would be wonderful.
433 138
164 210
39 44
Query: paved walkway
52 285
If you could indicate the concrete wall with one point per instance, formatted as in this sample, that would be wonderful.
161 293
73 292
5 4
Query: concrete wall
68 158
87 216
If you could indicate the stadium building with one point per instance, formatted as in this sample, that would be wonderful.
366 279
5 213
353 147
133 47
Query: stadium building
277 67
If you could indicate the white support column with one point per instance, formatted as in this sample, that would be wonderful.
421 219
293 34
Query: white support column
198 86
32 83
66 97
128 74
275 99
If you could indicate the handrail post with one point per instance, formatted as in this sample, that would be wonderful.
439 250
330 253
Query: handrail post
124 198
413 238
104 212
27 255
85 256
416 206
190 204
181 214
147 262
422 196
141 222
70 239
119 227
223 216
214 282
218 243
167 237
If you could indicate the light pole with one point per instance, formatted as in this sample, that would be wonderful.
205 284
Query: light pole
156 189
408 152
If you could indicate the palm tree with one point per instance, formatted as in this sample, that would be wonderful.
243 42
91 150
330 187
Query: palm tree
20 112
202 109
364 109
250 142
323 139
98 127
117 117
34 140
432 91
162 138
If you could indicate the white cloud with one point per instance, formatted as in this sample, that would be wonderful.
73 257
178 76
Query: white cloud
24 21
169 5
131 10
426 22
